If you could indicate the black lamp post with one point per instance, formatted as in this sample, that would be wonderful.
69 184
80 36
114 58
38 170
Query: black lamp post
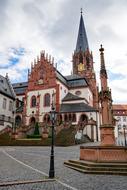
124 127
53 119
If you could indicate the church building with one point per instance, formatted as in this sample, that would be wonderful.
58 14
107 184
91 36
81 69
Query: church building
75 96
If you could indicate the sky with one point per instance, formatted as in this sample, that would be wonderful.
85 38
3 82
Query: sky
29 26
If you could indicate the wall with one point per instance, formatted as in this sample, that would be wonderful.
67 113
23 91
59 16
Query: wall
42 108
6 112
63 90
85 93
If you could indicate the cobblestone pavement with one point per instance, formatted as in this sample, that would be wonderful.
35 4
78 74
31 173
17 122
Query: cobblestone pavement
36 186
32 163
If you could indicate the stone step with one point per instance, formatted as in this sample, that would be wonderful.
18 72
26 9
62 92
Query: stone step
122 173
97 169
100 164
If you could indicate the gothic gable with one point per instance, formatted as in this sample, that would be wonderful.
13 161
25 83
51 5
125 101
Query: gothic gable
42 73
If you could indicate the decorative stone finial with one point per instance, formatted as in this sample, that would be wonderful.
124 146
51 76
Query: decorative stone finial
101 49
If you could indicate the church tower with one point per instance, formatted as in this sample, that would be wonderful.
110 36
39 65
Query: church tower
83 61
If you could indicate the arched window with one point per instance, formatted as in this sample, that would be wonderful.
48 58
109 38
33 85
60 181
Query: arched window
47 100
33 101
80 58
46 118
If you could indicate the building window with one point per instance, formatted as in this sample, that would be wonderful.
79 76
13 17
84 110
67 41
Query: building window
78 93
33 101
4 103
47 100
119 127
124 118
10 105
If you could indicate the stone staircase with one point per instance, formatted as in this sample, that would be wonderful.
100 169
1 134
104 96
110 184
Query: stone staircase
97 168
6 130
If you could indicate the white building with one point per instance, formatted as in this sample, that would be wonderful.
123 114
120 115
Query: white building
120 114
7 98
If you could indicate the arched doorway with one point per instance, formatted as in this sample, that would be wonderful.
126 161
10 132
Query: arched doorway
18 121
83 118
66 118
32 121
83 121
46 118
73 117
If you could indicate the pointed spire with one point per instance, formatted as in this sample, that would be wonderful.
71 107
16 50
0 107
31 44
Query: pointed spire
6 75
82 42
102 69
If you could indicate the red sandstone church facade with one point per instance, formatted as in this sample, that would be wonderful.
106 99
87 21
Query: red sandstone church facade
76 96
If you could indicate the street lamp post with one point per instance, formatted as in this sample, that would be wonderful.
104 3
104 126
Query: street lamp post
53 118
124 127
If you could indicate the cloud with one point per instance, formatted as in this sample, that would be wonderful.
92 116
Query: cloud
52 25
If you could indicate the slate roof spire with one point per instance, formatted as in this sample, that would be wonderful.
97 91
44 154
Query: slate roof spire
82 42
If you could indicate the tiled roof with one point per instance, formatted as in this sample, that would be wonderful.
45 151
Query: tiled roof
77 83
119 106
70 97
20 88
72 81
61 77
72 77
76 107
6 87
20 84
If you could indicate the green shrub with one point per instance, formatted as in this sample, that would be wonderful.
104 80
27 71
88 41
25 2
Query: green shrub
36 130
33 136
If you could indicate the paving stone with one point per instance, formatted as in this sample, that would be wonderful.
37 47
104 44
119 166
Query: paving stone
39 158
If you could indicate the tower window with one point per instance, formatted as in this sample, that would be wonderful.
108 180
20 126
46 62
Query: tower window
80 58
